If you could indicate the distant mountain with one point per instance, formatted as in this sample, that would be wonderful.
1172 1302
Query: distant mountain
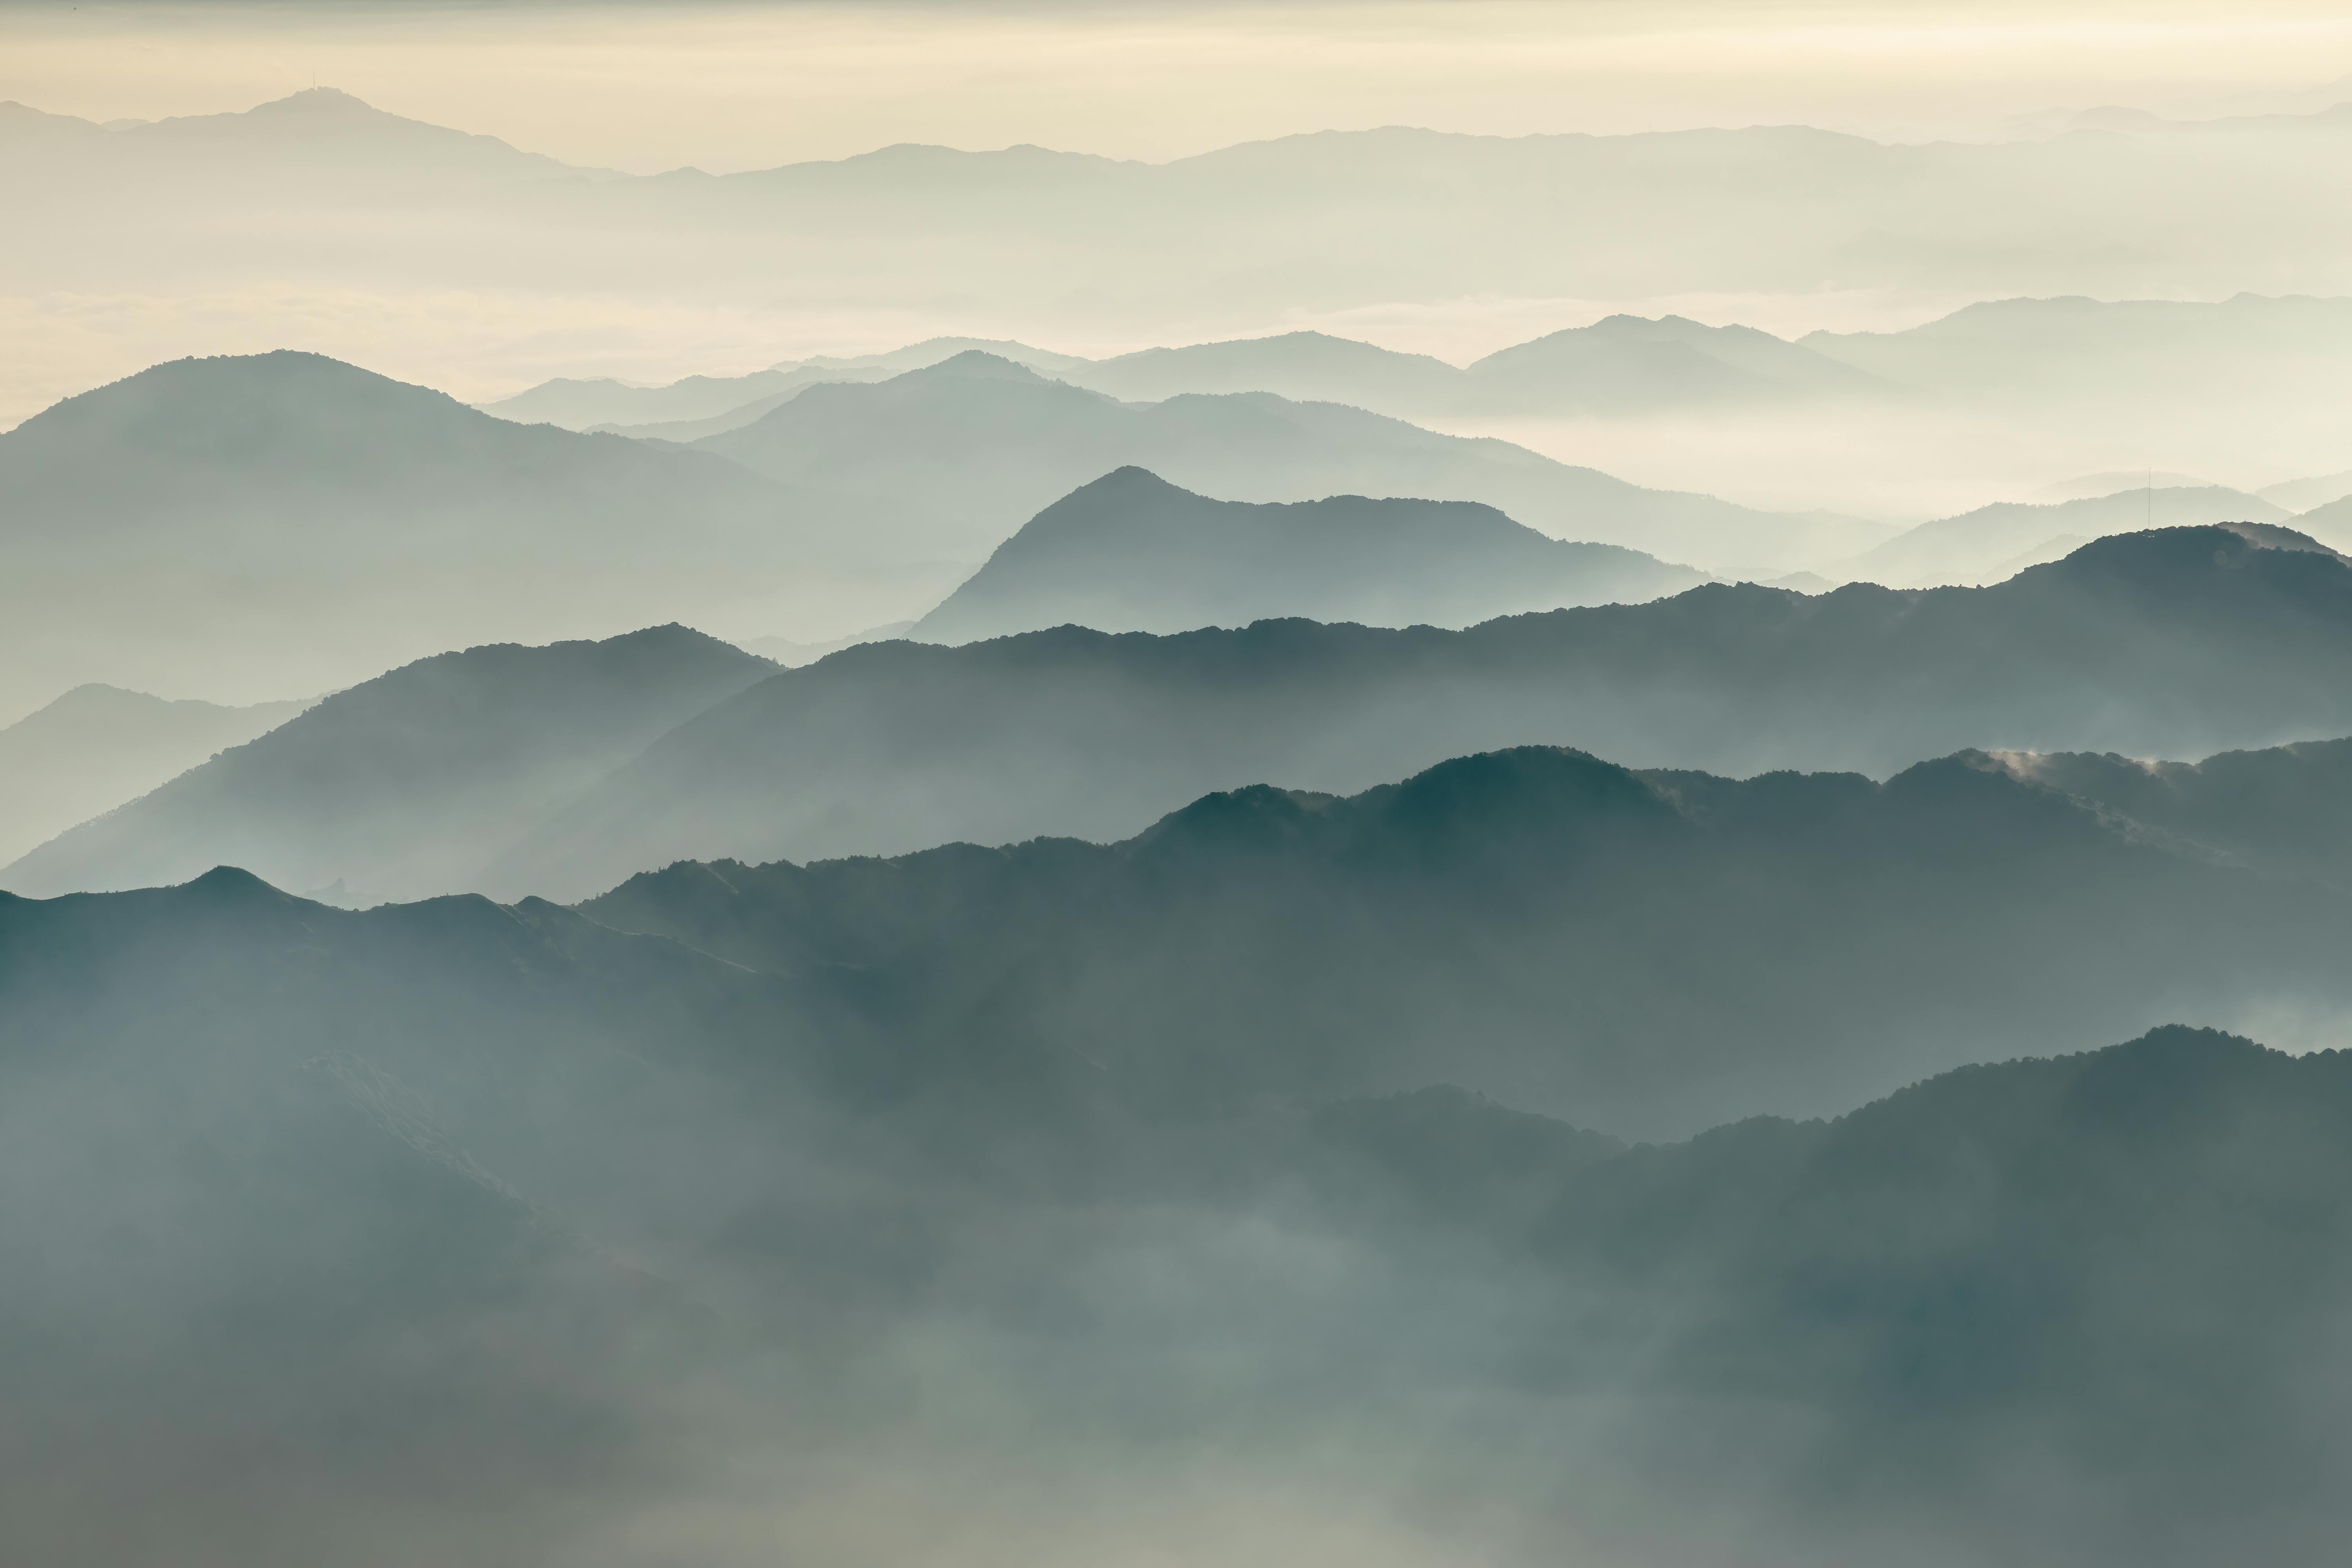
407 784
2306 495
1625 364
791 655
1305 367
1629 365
2331 523
727 402
287 455
312 140
2178 642
587 404
2089 487
98 746
947 462
1132 553
1525 922
1996 542
257 522
2031 350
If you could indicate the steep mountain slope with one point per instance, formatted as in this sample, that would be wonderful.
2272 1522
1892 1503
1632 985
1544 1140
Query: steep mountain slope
2176 643
97 746
1132 553
1975 546
950 462
407 784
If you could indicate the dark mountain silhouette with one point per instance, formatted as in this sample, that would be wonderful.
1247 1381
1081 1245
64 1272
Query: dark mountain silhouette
949 460
2178 642
424 1208
1132 553
1964 1271
1642 952
2286 810
407 784
1996 542
97 746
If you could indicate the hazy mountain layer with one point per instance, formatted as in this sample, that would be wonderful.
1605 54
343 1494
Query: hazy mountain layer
487 1230
1621 365
2178 642
97 746
408 784
951 460
698 399
1132 553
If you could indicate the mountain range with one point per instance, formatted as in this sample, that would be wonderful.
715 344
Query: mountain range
948 461
1620 364
250 523
1645 951
2175 643
1132 553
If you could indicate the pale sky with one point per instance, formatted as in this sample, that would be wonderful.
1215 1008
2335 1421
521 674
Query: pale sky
646 88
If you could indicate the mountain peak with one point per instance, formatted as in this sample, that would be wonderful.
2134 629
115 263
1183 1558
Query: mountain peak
972 364
317 100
